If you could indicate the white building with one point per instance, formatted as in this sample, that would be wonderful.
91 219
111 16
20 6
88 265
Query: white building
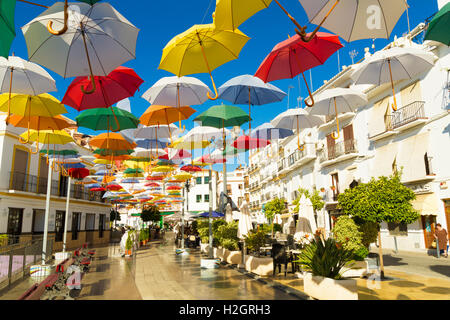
198 197
23 188
235 187
373 142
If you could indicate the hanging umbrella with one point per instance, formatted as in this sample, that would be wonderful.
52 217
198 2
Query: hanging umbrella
109 152
182 55
113 141
186 143
47 137
191 168
154 178
39 123
150 153
7 27
230 14
223 116
151 143
184 176
332 102
174 188
162 169
156 132
113 158
297 119
215 214
78 174
131 170
293 56
177 154
352 19
438 27
43 105
111 119
269 132
248 143
395 64
247 89
98 40
152 184
59 152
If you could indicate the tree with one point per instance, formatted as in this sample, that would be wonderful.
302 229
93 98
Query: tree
151 214
274 207
384 199
114 215
315 198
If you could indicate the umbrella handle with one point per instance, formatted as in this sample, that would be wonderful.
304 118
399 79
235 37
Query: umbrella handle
394 106
290 17
337 123
300 147
302 30
310 105
209 70
66 22
215 90
94 86
117 121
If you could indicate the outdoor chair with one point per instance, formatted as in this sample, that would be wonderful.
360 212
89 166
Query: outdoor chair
280 257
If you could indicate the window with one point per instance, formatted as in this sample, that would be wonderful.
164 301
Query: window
76 225
206 197
398 229
59 225
198 180
428 169
38 221
101 225
241 187
20 170
199 198
14 224
206 180
90 222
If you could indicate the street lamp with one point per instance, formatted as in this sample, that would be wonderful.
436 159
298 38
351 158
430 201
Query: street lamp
187 186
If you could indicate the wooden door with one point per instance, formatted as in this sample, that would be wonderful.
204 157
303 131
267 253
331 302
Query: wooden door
43 175
447 216
349 143
428 225
331 147
20 168
15 218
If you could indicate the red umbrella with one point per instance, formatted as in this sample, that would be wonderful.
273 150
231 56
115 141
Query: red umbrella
248 143
293 56
208 160
174 188
78 173
114 187
152 184
98 189
120 84
155 178
178 155
191 168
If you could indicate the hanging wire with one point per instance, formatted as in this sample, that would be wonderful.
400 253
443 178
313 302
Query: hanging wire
207 10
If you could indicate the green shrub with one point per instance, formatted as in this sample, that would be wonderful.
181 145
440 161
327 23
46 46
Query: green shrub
230 244
129 243
228 233
267 228
325 258
361 254
346 233
369 232
255 240
216 224
194 226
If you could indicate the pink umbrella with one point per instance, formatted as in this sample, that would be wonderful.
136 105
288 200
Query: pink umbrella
248 143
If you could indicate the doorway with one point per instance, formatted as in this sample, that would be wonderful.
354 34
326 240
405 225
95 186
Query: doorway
428 225
15 219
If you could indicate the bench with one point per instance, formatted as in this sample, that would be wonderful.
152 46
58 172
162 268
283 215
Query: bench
36 291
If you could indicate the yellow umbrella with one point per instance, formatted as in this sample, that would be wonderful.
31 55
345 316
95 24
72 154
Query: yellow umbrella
181 144
183 54
230 14
184 176
163 169
47 137
43 105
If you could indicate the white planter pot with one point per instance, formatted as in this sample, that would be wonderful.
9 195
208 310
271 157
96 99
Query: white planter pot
260 266
358 270
204 247
232 257
209 263
329 289
218 253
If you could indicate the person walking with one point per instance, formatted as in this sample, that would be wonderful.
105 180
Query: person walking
441 237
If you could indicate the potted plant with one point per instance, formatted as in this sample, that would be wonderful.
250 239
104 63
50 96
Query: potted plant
128 245
323 260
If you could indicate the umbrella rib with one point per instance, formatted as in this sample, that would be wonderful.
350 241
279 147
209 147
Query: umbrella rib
404 68
353 24
384 18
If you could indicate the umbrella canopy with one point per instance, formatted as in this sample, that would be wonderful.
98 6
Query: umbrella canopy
78 174
223 116
163 169
111 119
355 19
40 123
177 91
47 136
332 102
248 143
60 152
183 176
190 144
438 27
150 153
113 141
388 66
108 152
156 115
269 132
293 57
120 84
7 27
191 168
43 105
230 14
184 53
215 214
99 41
151 143
156 132
23 77
177 154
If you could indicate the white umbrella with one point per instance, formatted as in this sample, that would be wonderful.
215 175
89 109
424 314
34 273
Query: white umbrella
391 65
97 41
143 153
288 225
297 119
202 133
354 19
245 221
156 132
309 214
304 225
332 102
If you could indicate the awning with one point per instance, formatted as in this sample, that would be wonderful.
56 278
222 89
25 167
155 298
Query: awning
411 156
427 204
384 158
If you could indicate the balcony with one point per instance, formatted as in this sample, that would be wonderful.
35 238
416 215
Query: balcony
407 117
341 151
27 183
331 120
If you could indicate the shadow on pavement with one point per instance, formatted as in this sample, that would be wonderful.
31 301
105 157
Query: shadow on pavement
444 270
390 261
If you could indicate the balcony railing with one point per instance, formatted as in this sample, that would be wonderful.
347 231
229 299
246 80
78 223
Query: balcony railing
28 183
412 112
339 149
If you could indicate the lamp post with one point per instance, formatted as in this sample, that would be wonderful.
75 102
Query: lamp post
187 187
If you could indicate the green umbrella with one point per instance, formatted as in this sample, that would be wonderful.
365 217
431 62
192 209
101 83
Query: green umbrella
91 2
133 171
232 151
7 28
438 30
100 119
60 152
108 152
223 116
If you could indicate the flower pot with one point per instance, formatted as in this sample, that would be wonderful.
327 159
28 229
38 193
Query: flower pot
260 266
329 289
128 252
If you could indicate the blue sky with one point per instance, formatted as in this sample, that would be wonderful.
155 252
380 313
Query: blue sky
159 21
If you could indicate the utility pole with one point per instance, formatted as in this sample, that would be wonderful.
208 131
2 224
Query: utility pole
352 55
289 96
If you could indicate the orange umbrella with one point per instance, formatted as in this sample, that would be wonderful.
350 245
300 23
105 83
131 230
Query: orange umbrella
39 123
113 158
158 115
111 141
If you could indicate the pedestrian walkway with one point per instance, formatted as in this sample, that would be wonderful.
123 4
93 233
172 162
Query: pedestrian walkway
163 275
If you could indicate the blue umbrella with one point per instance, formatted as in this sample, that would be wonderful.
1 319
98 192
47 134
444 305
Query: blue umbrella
247 89
130 181
74 166
268 132
94 185
215 214
151 143
102 173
